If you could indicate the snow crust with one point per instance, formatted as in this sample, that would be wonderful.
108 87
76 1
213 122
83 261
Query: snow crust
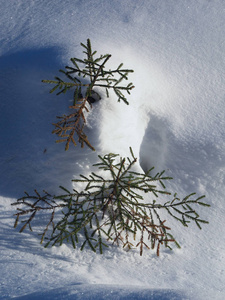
175 121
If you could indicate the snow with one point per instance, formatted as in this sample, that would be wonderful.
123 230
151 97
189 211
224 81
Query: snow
175 121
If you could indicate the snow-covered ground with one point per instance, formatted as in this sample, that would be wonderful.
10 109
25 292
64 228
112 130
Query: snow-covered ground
175 122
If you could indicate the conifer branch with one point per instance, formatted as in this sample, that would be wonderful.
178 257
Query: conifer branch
111 209
83 77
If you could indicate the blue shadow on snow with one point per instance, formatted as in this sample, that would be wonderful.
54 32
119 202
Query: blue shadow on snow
29 157
103 292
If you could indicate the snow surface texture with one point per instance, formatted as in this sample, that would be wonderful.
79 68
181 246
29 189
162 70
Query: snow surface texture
175 122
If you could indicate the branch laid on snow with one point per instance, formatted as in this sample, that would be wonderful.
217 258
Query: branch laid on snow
111 209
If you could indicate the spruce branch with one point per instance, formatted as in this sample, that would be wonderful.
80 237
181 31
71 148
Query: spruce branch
111 209
83 77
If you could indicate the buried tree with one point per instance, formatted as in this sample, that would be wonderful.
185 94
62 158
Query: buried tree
114 206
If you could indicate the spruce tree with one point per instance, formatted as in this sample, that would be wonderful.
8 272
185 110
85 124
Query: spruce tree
83 77
112 207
